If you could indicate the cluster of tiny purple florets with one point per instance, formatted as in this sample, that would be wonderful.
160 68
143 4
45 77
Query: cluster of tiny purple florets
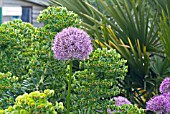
119 101
72 43
165 86
158 104
161 103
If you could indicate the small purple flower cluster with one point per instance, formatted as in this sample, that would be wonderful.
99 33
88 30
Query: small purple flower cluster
119 101
72 43
161 103
158 104
165 86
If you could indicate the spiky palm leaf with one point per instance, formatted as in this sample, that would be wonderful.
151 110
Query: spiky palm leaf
165 34
128 18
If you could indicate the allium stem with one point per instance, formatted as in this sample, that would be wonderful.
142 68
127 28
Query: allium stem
69 87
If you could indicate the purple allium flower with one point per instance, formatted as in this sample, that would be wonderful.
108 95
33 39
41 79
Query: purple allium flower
167 96
72 43
121 101
165 86
109 111
158 104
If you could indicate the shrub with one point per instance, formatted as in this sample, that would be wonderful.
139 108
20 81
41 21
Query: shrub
15 46
98 83
106 64
26 53
57 18
34 103
43 70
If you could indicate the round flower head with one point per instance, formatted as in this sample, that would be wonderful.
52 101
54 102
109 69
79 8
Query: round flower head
158 104
165 86
72 43
167 96
121 101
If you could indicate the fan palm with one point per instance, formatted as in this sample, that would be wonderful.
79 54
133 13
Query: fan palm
165 26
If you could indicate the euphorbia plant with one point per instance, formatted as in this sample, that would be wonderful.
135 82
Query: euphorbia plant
100 79
71 44
57 18
16 47
34 103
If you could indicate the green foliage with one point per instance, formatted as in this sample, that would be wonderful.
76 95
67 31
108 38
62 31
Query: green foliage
2 111
163 5
15 39
86 111
126 109
44 71
106 62
7 81
98 82
76 6
57 18
165 32
34 103
26 53
8 87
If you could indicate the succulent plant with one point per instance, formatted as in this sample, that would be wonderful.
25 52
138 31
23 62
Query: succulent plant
15 46
98 82
57 18
34 103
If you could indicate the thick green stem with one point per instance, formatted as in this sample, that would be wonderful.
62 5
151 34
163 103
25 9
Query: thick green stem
69 87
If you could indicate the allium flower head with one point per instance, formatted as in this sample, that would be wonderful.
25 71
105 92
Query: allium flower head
165 86
158 104
72 43
121 101
167 95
